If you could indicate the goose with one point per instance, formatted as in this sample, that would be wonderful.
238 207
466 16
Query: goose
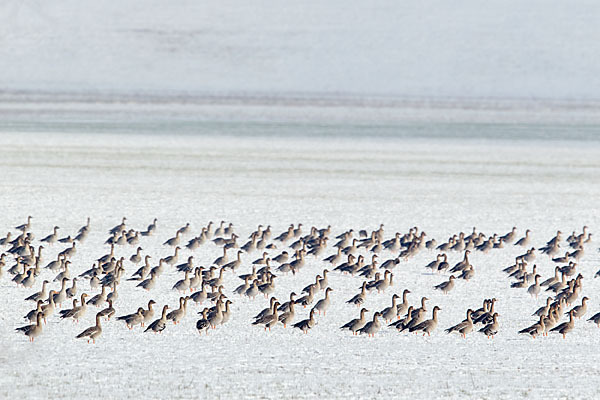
595 319
323 304
314 286
174 241
172 259
216 294
200 296
490 330
52 238
267 310
253 290
282 257
306 324
552 280
160 324
149 313
77 312
286 306
544 309
390 313
403 307
29 279
372 327
287 317
429 325
25 227
108 311
177 315
41 294
32 331
92 332
202 324
216 317
143 271
580 310
72 291
220 261
443 265
137 257
196 281
184 284
31 315
235 264
534 289
447 286
69 251
357 323
536 329
464 327
98 299
524 241
149 283
565 327
62 293
227 312
269 320
65 274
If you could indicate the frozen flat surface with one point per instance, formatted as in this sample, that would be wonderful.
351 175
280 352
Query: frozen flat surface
501 49
442 186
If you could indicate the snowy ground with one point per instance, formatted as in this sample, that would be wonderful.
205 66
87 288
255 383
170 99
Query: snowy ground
442 186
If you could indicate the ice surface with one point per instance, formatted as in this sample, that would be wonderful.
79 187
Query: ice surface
425 49
442 186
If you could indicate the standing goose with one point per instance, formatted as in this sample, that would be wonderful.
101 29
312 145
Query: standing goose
580 310
595 319
98 299
524 241
427 326
184 284
137 257
134 319
534 289
490 330
77 312
447 286
149 313
92 332
149 283
306 324
269 320
174 241
72 291
372 327
52 238
177 315
32 315
565 327
109 311
172 259
536 329
403 307
25 227
288 316
323 304
39 295
390 313
32 331
202 324
357 323
464 327
160 324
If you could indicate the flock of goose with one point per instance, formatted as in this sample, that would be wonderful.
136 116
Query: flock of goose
357 254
